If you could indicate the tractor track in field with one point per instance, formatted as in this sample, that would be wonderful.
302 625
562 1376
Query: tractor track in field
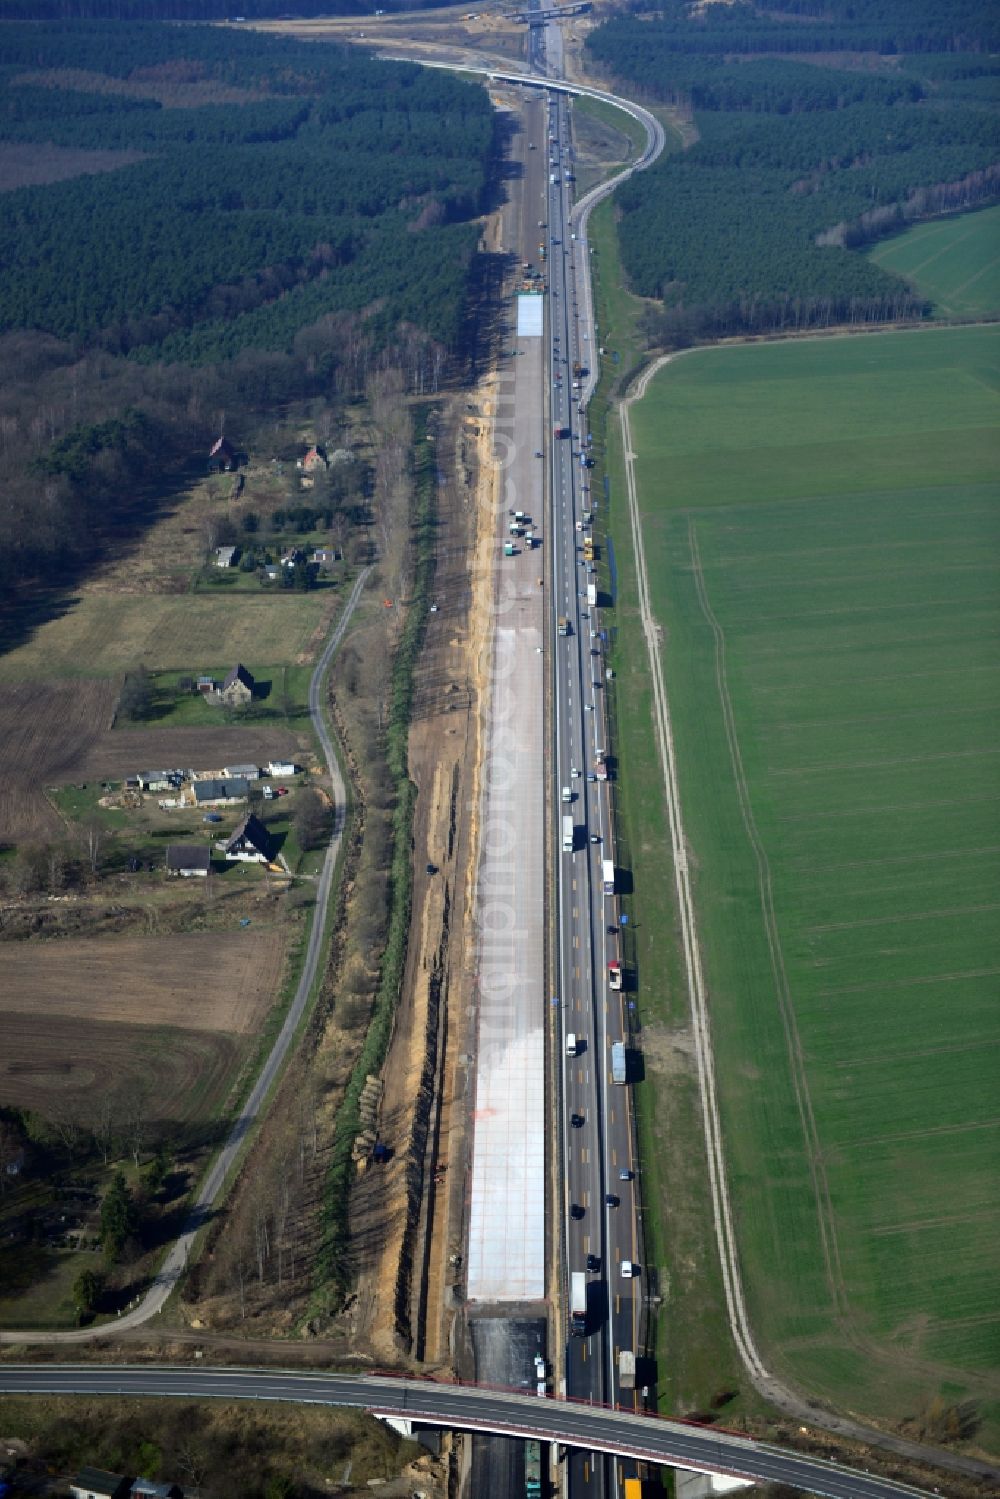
762 1378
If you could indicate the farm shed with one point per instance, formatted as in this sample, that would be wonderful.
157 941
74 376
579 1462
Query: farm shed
243 772
251 842
237 689
217 792
189 860
225 556
95 1483
158 780
145 1488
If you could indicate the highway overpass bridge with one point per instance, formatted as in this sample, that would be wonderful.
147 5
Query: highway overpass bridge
421 1402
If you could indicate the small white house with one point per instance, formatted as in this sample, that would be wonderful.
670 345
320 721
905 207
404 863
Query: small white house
280 768
225 556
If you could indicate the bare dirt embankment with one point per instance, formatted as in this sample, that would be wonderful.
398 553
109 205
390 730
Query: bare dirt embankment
411 1208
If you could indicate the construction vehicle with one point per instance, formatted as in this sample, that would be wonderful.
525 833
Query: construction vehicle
618 1069
633 1488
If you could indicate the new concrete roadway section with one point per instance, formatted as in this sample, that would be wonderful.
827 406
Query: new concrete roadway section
422 1402
215 1179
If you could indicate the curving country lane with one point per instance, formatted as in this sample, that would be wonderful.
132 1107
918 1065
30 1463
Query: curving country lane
214 1183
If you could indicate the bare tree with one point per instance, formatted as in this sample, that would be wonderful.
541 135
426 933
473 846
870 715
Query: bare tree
134 1111
11 1146
92 836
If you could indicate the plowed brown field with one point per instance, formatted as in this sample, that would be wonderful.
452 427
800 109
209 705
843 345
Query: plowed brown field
206 981
186 1074
114 755
56 732
46 728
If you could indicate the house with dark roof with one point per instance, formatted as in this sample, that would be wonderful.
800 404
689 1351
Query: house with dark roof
223 458
146 1488
237 689
95 1483
215 791
189 860
251 842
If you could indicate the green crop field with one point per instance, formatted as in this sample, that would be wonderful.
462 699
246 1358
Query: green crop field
823 542
955 262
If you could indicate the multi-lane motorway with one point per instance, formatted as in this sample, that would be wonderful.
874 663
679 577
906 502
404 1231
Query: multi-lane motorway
596 1134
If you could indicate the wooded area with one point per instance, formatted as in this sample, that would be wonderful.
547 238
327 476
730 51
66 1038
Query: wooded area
798 159
288 244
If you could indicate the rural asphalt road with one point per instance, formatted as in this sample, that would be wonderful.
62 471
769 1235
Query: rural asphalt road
215 1180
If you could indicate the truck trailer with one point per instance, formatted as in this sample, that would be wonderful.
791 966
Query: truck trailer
578 1303
608 876
626 1369
618 1062
592 595
567 839
532 1470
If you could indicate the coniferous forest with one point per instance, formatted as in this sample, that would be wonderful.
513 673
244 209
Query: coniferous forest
211 220
338 183
821 124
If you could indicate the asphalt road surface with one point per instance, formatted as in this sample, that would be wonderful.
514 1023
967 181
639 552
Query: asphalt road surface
468 1409
212 1186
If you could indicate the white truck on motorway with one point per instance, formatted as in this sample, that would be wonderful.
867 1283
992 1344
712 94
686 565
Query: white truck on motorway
567 838
592 595
608 876
578 1303
618 1074
571 1044
626 1369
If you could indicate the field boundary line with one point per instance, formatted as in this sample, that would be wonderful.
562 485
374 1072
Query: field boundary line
767 1384
765 889
219 1172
